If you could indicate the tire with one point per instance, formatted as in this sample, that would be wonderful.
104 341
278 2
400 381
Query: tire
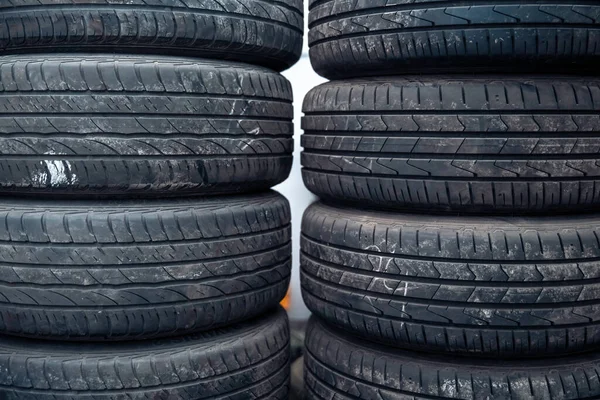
141 269
230 363
466 144
340 367
263 32
361 38
480 285
130 126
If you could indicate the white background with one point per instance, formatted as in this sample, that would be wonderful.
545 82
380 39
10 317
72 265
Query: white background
303 79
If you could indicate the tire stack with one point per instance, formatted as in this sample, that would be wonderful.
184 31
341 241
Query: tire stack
455 253
142 254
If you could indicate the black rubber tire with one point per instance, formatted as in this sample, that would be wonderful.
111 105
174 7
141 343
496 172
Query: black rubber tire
502 286
468 144
247 360
340 367
99 125
262 32
379 37
91 270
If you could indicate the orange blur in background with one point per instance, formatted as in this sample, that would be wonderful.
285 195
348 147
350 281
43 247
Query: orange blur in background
287 300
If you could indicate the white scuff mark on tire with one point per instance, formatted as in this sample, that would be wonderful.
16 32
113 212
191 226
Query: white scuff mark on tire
404 303
57 171
448 388
54 173
39 178
373 247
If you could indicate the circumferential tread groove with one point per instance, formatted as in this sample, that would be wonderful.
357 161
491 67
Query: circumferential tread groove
478 285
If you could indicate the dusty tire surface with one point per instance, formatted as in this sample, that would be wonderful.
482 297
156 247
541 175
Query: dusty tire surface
262 32
480 285
360 38
486 144
246 360
341 367
93 270
105 126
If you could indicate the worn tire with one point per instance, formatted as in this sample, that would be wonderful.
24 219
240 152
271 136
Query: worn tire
105 126
262 32
247 360
338 366
92 270
360 38
468 144
502 286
